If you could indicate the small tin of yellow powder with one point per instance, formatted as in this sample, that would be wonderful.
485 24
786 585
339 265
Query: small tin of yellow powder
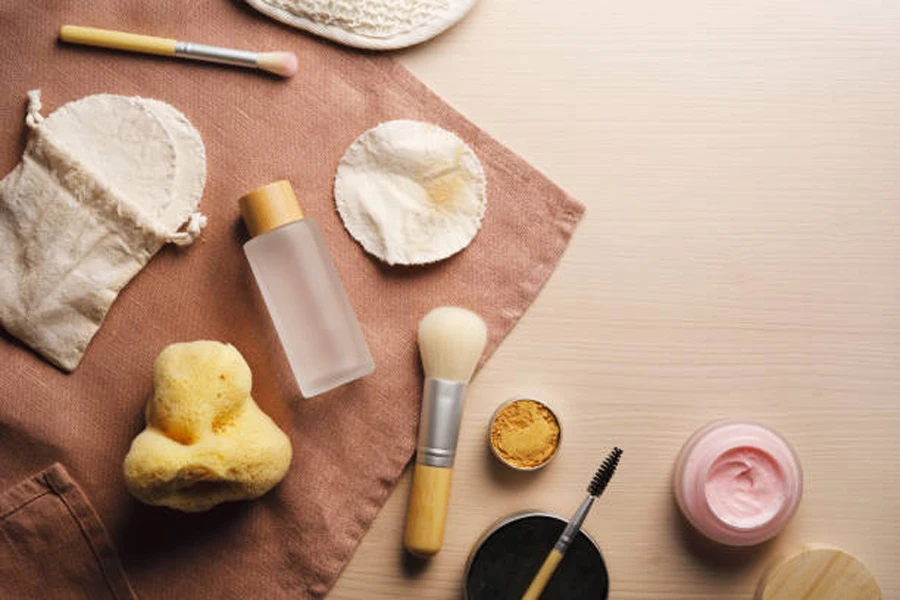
524 434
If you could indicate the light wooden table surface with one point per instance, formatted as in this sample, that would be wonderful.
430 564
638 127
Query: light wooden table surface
740 257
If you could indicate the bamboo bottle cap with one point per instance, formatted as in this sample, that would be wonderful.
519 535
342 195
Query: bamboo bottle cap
270 206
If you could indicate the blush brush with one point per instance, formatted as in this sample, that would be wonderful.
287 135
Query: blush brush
451 341
595 489
279 63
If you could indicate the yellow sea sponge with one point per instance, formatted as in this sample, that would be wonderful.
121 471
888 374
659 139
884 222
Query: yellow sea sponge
206 440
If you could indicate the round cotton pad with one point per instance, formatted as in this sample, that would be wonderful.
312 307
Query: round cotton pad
411 193
145 150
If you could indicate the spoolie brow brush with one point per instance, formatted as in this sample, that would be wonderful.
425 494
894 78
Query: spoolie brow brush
595 489
280 63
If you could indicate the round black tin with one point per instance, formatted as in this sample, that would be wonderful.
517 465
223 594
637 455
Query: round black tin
507 557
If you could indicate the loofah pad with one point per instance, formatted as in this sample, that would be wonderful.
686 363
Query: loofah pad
371 24
206 440
410 193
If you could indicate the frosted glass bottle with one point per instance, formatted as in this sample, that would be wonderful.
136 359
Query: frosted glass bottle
302 291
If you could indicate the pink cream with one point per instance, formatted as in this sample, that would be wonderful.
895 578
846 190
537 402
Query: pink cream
738 483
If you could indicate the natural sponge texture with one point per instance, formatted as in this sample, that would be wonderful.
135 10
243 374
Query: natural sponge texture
206 440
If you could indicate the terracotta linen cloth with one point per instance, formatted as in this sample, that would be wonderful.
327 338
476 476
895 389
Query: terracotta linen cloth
54 543
350 445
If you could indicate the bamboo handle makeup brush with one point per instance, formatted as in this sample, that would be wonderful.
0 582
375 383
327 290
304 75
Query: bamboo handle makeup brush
595 489
451 341
280 63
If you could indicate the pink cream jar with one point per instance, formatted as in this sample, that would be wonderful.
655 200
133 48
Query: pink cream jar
738 483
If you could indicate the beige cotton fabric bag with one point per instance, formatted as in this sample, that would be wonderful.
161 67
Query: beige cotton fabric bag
104 183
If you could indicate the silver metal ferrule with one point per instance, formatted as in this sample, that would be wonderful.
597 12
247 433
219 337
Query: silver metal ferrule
216 54
573 526
442 408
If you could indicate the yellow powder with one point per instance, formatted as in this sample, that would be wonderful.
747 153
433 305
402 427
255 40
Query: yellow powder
446 182
445 192
525 434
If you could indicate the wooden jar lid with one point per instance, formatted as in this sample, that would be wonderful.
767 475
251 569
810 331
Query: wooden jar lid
819 572
269 207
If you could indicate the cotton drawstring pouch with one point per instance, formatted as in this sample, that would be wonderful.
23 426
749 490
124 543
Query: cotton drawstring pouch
103 184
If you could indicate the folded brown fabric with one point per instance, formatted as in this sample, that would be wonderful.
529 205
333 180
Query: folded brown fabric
351 444
53 545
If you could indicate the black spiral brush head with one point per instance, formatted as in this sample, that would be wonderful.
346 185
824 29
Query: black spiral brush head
604 473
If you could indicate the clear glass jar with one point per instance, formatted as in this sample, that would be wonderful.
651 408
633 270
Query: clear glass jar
738 483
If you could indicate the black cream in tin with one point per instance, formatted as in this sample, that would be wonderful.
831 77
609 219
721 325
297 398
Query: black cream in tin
508 555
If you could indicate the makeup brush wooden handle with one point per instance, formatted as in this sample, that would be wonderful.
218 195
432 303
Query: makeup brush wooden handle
543 576
117 40
427 512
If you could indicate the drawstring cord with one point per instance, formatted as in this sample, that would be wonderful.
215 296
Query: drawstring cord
195 224
34 118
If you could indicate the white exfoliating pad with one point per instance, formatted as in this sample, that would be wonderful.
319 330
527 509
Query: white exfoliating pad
410 192
370 24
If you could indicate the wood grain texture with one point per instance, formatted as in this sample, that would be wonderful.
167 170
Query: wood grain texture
818 573
543 576
426 516
740 257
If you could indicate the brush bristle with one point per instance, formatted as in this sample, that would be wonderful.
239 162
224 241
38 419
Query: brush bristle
280 63
604 473
451 340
